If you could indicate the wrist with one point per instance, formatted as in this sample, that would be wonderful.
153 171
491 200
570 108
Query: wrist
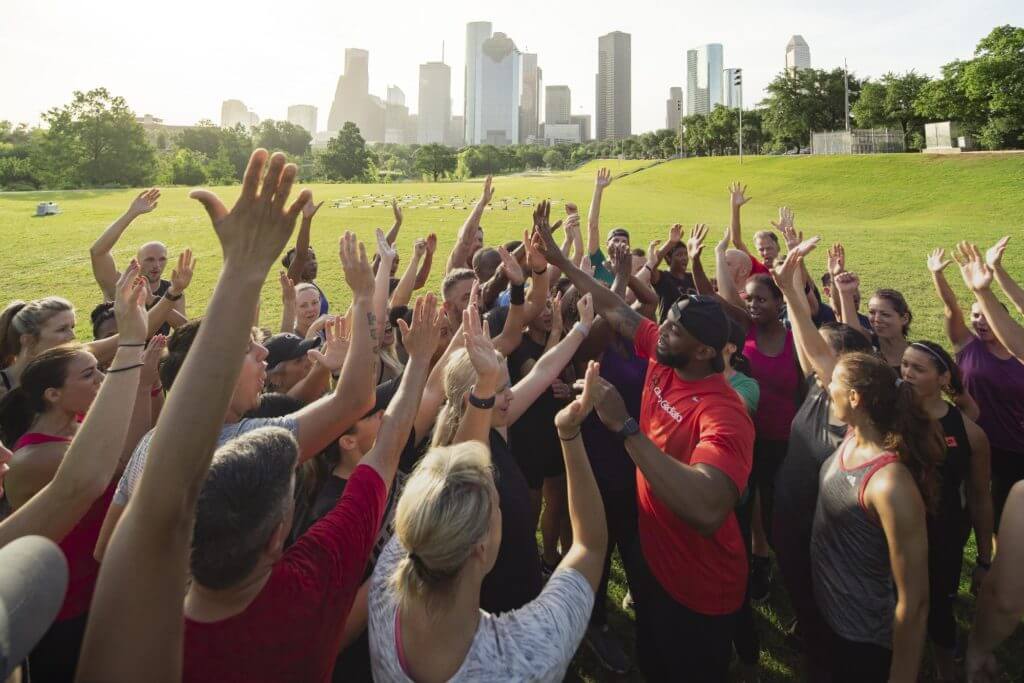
582 327
486 385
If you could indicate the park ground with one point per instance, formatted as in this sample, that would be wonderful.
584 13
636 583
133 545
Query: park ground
889 211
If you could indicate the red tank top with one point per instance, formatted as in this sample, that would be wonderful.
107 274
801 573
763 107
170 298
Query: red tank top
80 542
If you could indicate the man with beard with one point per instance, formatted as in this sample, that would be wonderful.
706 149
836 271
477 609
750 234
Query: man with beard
693 451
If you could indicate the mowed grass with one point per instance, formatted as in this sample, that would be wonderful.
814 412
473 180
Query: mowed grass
889 211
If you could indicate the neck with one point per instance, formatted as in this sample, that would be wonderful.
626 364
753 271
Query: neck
348 463
771 325
209 604
934 405
892 343
694 371
867 435
679 272
537 336
55 422
996 348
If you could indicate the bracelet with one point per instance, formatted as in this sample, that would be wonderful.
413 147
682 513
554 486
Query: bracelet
582 328
171 297
156 391
648 267
131 346
541 272
481 403
578 431
517 295
124 369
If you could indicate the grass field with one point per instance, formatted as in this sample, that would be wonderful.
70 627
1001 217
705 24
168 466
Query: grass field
889 210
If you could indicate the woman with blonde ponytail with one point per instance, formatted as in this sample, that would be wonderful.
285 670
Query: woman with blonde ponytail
426 617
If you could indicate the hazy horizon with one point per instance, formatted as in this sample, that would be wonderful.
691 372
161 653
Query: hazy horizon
181 63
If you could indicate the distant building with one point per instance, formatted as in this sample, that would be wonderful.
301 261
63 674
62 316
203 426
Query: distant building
557 104
704 79
583 121
614 86
798 54
674 108
352 99
435 104
396 117
234 112
476 33
529 98
732 92
158 133
495 118
303 115
559 133
457 132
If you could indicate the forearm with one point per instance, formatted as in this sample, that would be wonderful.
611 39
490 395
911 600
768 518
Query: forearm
850 316
140 423
700 279
298 264
313 386
1012 290
908 629
623 319
979 503
467 233
424 272
594 222
586 510
406 286
735 232
493 288
1006 329
644 293
813 348
398 419
726 287
475 424
381 283
288 317
537 298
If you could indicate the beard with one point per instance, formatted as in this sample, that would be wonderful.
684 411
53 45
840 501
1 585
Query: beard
676 361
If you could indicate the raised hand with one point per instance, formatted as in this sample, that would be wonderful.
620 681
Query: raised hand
309 209
847 281
654 254
608 401
129 306
150 376
572 225
569 418
318 325
805 246
737 194
397 211
488 191
145 202
420 340
419 247
586 308
332 352
785 219
358 273
511 267
604 178
976 273
556 314
181 276
536 258
994 255
384 250
695 245
836 259
792 237
547 246
477 338
675 235
571 209
621 258
287 287
255 231
784 272
937 261
723 244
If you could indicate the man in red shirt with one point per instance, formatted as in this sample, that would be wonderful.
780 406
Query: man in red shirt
693 451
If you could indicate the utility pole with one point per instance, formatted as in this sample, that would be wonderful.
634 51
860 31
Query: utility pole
846 96
737 81
679 108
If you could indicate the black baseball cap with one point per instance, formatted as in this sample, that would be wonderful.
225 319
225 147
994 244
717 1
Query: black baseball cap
385 392
618 232
287 346
703 317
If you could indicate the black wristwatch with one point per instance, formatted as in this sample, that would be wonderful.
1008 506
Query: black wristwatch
629 428
172 297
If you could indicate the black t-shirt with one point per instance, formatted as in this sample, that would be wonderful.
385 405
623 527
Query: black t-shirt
671 289
515 579
812 439
535 429
157 294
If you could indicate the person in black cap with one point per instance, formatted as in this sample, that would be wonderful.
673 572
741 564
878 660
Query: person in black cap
693 451
288 360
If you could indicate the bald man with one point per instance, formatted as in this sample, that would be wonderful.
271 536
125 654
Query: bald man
152 257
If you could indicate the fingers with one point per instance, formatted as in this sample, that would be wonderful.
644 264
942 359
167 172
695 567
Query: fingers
214 206
253 173
305 196
272 178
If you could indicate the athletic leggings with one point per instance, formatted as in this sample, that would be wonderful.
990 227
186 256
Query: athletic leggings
946 540
768 457
621 519
854 662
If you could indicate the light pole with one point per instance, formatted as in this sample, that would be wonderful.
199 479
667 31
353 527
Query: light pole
737 81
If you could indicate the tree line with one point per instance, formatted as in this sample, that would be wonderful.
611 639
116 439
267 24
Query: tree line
96 141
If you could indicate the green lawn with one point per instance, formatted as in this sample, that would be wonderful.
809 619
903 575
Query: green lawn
889 210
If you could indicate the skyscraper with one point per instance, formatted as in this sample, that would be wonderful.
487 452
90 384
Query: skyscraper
234 112
704 79
731 95
476 33
557 104
674 108
396 116
494 116
303 115
583 121
798 54
457 131
614 86
435 104
529 101
352 96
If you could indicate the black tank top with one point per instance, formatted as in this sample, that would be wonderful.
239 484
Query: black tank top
157 294
954 468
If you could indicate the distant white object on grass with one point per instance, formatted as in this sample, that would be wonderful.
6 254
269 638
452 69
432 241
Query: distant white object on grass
47 209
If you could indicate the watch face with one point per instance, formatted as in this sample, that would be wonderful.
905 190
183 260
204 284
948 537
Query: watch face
629 427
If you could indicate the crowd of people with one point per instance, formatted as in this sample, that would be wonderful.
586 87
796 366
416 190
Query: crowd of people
357 493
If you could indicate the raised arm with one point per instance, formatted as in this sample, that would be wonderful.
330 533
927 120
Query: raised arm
420 341
603 180
814 351
298 264
463 249
428 260
956 328
288 305
586 511
135 621
694 249
994 259
392 234
737 198
978 278
328 360
103 267
407 284
326 419
475 424
382 279
726 286
93 456
844 285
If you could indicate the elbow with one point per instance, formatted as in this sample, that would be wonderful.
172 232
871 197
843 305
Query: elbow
709 521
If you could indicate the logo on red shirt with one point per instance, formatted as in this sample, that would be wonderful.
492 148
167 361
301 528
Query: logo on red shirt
666 406
951 441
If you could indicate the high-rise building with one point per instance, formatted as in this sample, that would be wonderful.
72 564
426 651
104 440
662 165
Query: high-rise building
529 99
557 104
303 115
396 116
476 33
494 117
798 54
457 131
704 79
614 86
732 96
674 108
435 105
352 99
583 121
234 112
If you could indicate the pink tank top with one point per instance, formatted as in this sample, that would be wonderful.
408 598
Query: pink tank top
778 381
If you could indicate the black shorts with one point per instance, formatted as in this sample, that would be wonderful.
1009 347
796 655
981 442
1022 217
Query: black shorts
539 460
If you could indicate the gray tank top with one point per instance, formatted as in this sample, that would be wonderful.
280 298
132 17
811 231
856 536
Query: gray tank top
853 583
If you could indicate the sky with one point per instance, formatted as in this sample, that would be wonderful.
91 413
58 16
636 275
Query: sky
179 61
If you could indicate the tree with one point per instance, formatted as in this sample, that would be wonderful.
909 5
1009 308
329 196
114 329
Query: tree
94 140
284 136
187 168
554 160
236 145
805 101
346 156
204 137
890 102
435 161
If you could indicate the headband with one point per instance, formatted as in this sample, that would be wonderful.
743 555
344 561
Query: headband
927 349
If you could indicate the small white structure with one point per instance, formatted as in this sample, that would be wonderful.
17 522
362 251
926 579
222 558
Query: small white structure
946 137
47 209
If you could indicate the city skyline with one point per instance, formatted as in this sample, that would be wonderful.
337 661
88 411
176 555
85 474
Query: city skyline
86 46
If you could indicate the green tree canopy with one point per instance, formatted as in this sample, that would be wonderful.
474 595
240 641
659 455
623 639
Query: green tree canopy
284 136
805 101
346 156
435 161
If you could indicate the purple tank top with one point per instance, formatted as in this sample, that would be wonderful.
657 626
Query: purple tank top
778 380
998 387
613 468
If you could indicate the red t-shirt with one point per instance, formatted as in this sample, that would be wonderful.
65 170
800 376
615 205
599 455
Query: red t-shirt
758 267
292 630
693 422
